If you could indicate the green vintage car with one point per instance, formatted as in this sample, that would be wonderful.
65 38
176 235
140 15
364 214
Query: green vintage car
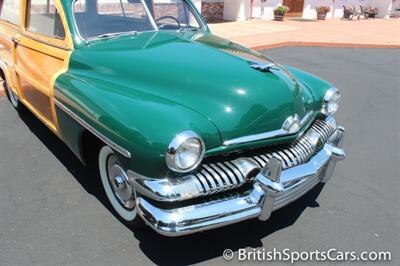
188 131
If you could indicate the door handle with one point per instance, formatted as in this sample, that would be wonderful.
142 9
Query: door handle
15 40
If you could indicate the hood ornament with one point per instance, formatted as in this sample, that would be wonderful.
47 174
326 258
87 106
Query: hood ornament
267 67
264 67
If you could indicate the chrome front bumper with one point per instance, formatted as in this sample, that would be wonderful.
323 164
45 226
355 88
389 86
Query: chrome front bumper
269 192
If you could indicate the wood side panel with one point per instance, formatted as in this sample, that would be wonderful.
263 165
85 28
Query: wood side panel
38 66
7 31
37 99
33 63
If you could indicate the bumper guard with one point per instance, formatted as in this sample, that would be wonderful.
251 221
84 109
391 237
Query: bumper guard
271 190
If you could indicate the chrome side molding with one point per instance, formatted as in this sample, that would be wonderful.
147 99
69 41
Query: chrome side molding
83 123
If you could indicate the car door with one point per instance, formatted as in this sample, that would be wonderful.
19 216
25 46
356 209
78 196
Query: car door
10 21
41 53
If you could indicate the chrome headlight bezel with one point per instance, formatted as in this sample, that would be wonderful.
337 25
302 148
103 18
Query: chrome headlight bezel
332 96
173 150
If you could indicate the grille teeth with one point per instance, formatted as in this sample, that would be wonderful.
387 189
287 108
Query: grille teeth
226 175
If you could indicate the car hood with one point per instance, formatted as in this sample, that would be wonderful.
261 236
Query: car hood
202 72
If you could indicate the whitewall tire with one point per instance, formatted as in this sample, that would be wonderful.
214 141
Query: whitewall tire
119 192
11 96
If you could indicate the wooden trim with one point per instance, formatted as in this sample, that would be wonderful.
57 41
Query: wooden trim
41 40
9 24
52 82
65 44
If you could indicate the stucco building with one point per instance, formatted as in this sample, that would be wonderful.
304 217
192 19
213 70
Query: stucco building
263 9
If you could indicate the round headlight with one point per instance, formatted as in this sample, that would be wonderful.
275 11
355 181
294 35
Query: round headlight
331 101
185 152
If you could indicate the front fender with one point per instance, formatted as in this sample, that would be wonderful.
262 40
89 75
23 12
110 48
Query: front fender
140 122
317 86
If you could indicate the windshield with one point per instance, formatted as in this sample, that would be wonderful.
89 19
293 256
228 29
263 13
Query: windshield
105 18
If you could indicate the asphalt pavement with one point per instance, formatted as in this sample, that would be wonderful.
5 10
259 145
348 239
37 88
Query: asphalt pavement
53 211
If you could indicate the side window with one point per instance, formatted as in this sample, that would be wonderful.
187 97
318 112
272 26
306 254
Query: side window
43 18
10 11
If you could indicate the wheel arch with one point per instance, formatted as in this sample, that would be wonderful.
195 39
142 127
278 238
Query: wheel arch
81 141
2 75
90 146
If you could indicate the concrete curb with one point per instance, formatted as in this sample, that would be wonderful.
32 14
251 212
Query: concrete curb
311 44
324 44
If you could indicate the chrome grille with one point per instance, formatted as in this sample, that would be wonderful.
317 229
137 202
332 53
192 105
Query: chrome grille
225 175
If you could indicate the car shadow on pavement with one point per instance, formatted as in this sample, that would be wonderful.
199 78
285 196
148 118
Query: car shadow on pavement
85 176
211 244
182 250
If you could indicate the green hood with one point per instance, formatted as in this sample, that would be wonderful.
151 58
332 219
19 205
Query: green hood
202 72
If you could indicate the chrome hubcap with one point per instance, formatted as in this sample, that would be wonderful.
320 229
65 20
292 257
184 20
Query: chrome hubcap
118 179
119 183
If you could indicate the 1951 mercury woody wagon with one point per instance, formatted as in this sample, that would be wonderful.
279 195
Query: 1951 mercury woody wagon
189 131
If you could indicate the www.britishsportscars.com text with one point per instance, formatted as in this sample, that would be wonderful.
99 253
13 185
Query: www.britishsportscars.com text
330 255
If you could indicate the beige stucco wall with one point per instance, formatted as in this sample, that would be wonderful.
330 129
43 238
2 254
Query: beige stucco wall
240 9
236 9
265 10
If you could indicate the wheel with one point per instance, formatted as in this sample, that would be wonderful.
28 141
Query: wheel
120 193
11 96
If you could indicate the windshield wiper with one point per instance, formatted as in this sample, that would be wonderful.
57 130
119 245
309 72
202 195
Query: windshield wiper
115 34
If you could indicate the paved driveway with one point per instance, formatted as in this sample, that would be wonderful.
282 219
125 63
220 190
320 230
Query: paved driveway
332 32
52 211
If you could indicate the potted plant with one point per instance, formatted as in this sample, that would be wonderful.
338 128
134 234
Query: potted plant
279 12
322 11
